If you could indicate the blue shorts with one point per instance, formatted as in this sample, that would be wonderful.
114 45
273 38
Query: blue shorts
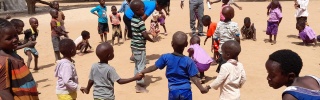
185 94
32 50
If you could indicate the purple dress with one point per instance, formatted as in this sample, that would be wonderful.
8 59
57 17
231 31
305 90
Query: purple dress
273 22
307 35
201 58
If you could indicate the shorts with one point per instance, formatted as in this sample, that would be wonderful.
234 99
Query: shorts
161 20
103 27
32 50
202 67
70 96
116 31
80 45
272 28
55 42
183 94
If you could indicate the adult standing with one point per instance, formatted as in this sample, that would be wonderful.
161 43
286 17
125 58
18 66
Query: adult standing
195 6
302 10
149 7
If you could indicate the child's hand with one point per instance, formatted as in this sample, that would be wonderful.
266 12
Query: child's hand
84 90
139 76
204 90
240 8
208 87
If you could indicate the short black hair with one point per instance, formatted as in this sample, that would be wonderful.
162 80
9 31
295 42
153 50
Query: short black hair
53 11
136 4
289 61
65 47
3 25
113 7
206 18
180 39
162 3
85 33
301 23
247 20
232 47
16 22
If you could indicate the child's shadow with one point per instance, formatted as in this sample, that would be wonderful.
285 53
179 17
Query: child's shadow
158 38
148 79
43 67
266 41
293 36
302 44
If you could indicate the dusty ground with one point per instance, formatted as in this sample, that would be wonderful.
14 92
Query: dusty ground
253 55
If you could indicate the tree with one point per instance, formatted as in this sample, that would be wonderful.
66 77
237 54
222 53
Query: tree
31 5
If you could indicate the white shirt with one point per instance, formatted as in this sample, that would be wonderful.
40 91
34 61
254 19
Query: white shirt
303 10
78 40
230 79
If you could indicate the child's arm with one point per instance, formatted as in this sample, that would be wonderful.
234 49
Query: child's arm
63 17
222 76
122 7
136 77
197 82
191 52
110 19
213 1
119 18
243 78
93 11
206 39
149 69
67 77
55 28
303 5
87 89
237 6
315 42
280 21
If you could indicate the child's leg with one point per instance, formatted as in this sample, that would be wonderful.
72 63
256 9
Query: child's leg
101 37
125 33
36 62
140 64
270 38
275 39
106 31
28 52
201 75
105 36
57 55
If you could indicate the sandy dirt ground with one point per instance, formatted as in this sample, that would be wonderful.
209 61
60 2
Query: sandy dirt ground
253 55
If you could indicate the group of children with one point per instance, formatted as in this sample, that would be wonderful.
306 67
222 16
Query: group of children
225 45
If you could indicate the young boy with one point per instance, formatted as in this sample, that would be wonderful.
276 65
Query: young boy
65 72
206 20
226 30
115 21
31 35
82 42
307 35
103 76
101 12
248 31
283 67
61 17
232 75
17 81
56 32
138 41
18 24
180 69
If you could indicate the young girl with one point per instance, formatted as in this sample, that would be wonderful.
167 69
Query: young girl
161 20
67 83
306 34
275 17
283 67
115 21
154 26
200 57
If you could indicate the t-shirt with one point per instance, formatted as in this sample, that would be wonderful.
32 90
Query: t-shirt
67 78
226 31
138 41
301 93
149 7
200 55
30 33
212 27
124 6
102 13
115 19
179 70
307 34
103 76
302 11
275 15
55 23
78 40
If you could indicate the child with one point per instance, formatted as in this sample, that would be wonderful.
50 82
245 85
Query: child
226 30
248 31
18 24
82 42
161 20
225 4
31 35
154 26
180 69
269 7
232 75
138 41
283 67
115 21
199 56
123 8
65 71
103 76
302 10
56 32
275 17
17 80
101 12
61 17
206 20
307 35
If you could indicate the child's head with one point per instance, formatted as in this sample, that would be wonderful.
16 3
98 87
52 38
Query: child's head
179 41
114 10
206 20
300 25
105 52
195 40
274 4
18 24
225 1
283 66
247 22
161 4
102 2
230 50
8 35
67 48
54 13
85 35
228 12
55 5
137 7
33 23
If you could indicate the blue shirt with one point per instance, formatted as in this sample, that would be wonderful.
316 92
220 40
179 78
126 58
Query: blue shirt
179 70
124 6
102 13
149 7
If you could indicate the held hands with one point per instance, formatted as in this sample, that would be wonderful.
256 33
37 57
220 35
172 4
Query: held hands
84 90
205 90
138 76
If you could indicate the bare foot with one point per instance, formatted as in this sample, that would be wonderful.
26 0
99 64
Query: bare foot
274 42
140 89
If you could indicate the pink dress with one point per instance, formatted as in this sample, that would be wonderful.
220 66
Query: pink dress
201 58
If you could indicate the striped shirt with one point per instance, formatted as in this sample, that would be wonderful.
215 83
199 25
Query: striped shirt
138 41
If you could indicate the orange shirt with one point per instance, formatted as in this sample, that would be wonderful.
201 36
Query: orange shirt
212 27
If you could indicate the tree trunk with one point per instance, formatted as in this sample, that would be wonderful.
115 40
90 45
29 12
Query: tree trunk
31 4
